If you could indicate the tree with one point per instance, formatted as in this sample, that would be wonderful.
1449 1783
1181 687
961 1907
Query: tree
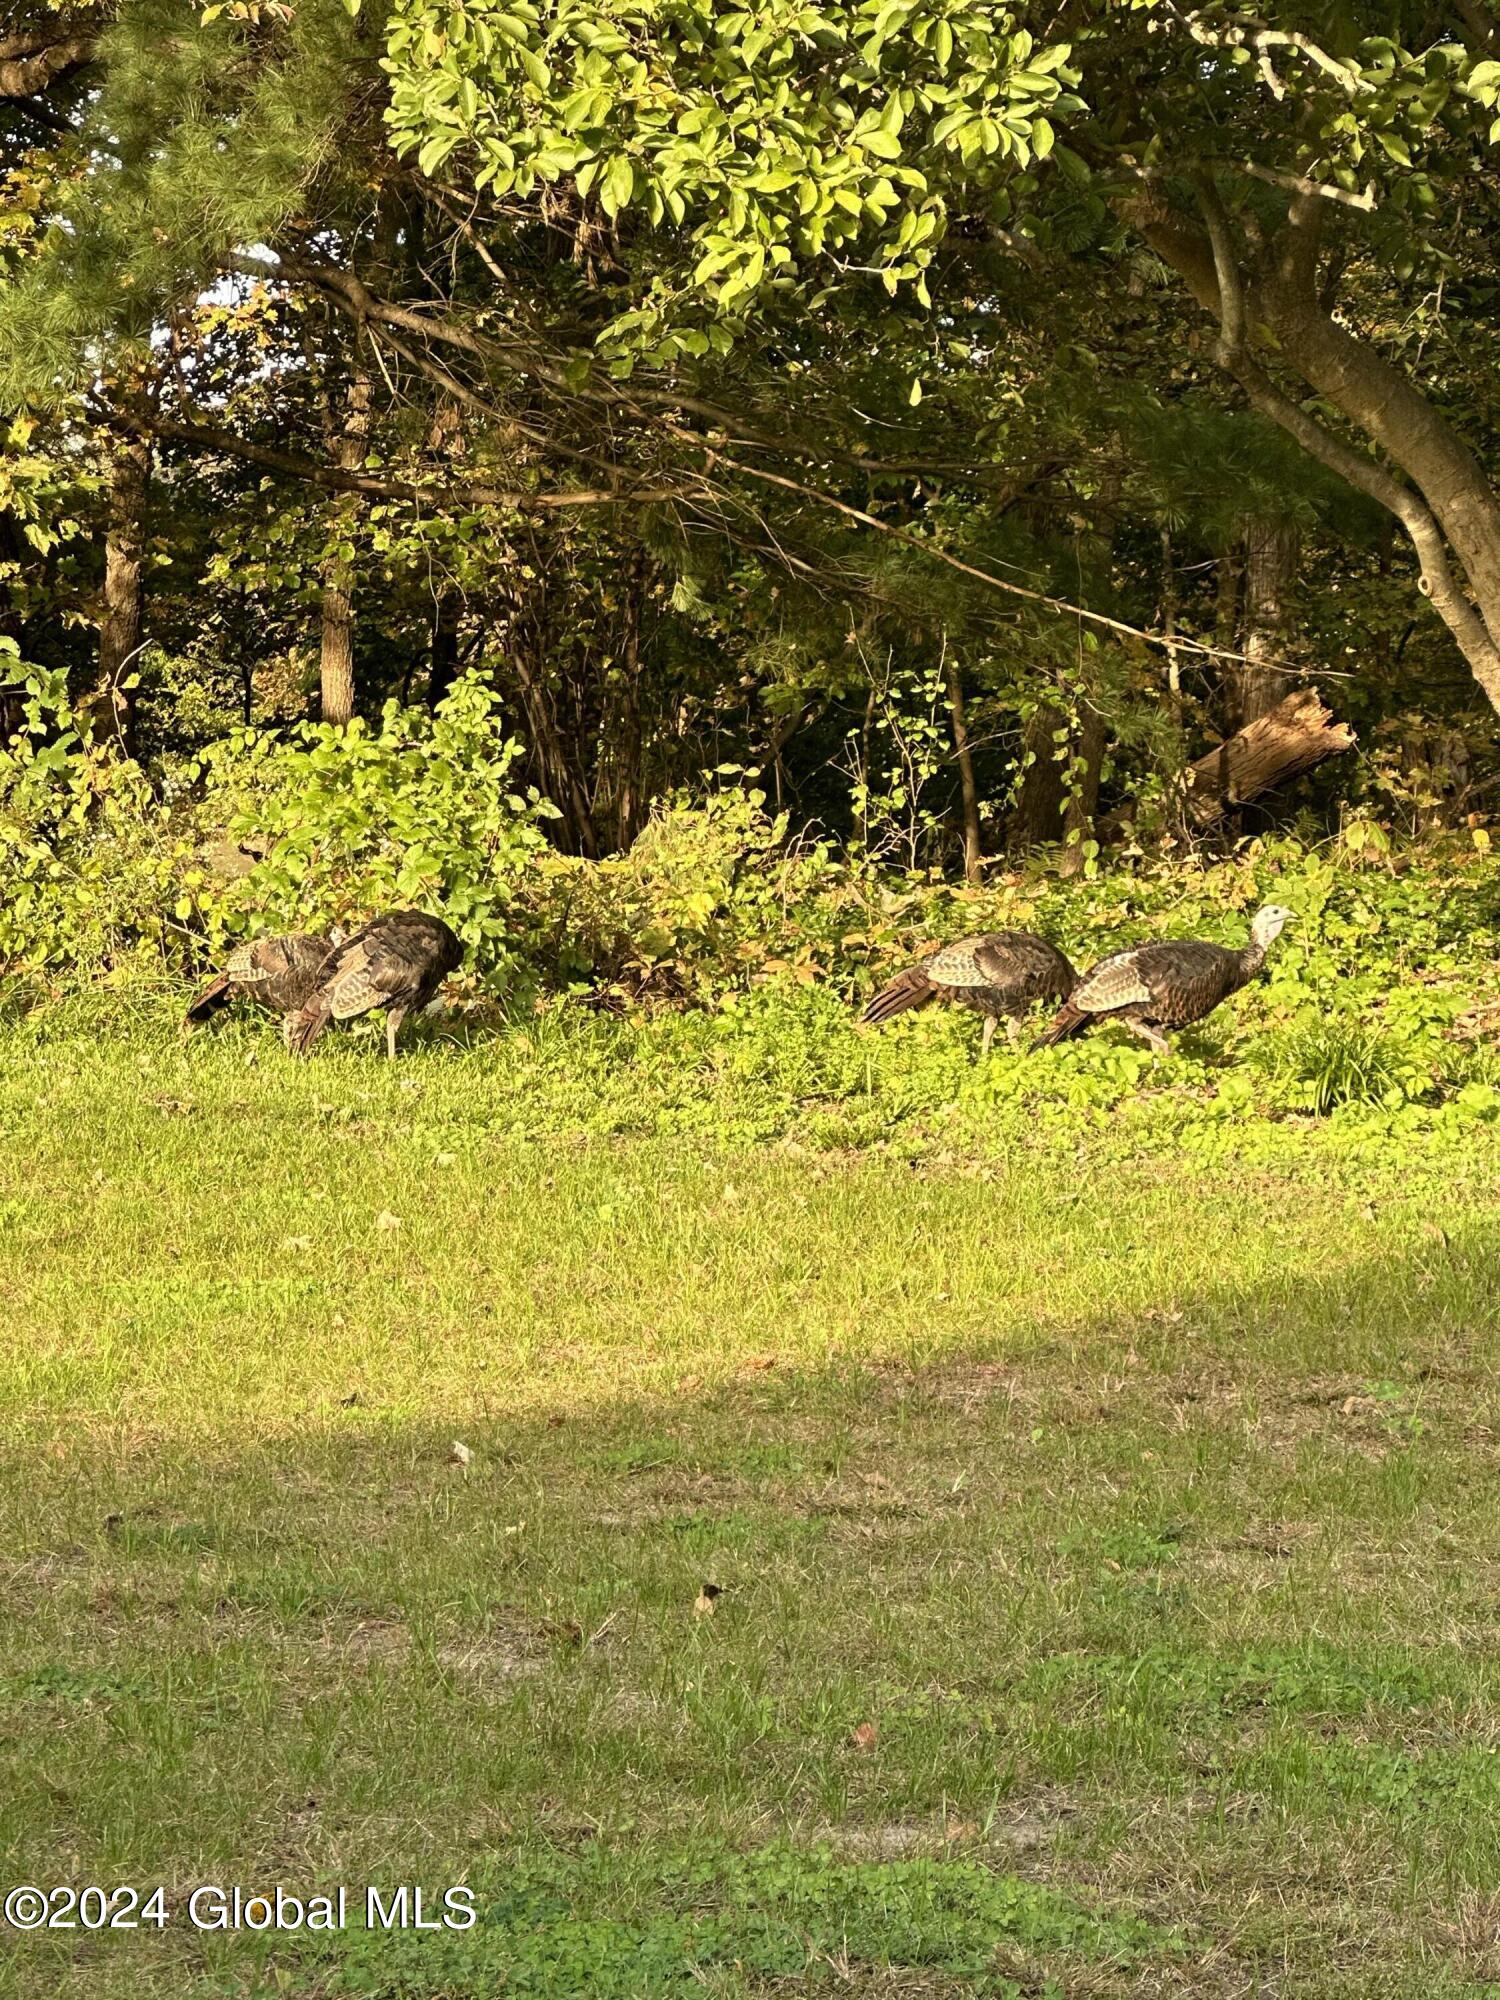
685 368
122 618
1299 169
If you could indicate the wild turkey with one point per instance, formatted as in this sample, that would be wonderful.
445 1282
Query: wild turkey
998 975
1156 986
279 972
396 962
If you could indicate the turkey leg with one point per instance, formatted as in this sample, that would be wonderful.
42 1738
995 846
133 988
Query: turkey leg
393 1022
1152 1037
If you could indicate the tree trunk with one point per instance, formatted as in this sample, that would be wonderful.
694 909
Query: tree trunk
113 703
1438 490
1227 601
1169 626
442 668
1038 816
336 655
1298 733
1082 800
619 791
575 832
1258 684
336 660
973 856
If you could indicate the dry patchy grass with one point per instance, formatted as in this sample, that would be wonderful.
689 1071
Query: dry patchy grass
1147 1516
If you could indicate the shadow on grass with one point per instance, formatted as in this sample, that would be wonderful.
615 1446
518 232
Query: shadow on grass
1185 1595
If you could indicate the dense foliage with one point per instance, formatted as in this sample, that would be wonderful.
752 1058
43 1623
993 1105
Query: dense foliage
1376 1013
967 416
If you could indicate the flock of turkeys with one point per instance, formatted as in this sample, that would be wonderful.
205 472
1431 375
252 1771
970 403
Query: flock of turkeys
396 962
399 962
1150 987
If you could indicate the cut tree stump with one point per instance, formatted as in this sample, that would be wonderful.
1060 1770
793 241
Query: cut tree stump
1298 733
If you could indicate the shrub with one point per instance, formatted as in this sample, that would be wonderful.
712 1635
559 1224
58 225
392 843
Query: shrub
421 811
688 910
85 846
106 875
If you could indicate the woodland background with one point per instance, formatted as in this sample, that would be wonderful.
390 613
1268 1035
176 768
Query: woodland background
959 418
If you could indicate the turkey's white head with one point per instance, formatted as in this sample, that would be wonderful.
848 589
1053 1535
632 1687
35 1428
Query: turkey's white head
1268 922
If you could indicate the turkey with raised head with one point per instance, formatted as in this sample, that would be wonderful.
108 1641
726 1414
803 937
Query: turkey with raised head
396 962
998 975
277 972
1152 987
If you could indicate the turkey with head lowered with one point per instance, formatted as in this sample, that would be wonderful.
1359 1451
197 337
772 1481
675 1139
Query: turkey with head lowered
999 975
396 962
1153 987
280 973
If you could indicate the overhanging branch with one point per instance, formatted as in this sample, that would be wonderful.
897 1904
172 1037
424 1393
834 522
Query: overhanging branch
336 479
29 64
656 408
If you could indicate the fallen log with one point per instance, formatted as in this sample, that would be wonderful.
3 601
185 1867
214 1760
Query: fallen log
1297 734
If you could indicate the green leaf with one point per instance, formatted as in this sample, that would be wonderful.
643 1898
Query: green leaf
884 145
436 150
534 67
617 186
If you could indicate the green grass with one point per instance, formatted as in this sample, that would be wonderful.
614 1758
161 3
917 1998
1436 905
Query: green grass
1140 1492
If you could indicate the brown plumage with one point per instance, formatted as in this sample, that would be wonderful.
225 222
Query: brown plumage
998 975
1155 986
396 962
277 972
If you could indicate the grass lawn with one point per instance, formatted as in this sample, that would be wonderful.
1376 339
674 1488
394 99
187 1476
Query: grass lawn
1107 1543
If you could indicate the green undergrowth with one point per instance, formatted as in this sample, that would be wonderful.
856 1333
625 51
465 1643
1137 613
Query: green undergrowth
1283 1072
1375 1024
729 953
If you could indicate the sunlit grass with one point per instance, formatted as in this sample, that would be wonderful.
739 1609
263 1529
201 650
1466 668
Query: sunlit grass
1144 1507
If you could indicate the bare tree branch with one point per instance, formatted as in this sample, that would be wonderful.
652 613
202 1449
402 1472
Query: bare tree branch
1300 184
29 64
334 479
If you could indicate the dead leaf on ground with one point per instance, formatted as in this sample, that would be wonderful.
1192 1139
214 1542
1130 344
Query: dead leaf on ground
864 1736
386 1221
566 1631
459 1454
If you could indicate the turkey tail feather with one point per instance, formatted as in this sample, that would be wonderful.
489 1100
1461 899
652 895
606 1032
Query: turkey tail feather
1067 1022
214 996
911 988
304 1027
